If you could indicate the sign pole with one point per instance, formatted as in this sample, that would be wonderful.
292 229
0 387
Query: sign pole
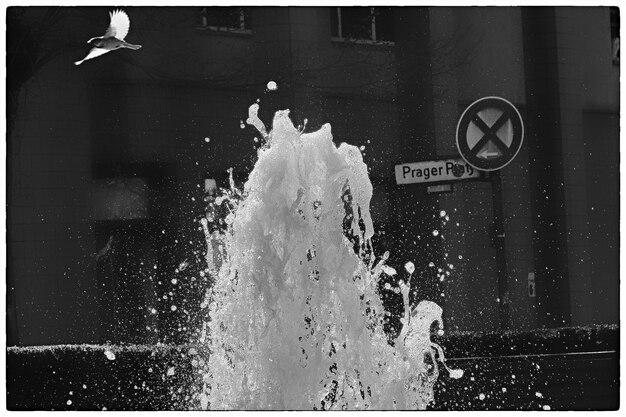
499 235
489 135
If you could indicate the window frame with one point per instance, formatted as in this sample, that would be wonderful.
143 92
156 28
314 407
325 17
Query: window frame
371 41
204 25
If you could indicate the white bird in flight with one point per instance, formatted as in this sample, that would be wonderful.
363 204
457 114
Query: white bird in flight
113 38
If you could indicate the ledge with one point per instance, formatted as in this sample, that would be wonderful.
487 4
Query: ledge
161 377
531 342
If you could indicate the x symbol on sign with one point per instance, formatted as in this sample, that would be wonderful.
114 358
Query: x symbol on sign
490 134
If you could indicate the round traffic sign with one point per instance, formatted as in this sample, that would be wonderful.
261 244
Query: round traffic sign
490 133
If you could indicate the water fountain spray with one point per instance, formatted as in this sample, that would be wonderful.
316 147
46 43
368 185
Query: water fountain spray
295 318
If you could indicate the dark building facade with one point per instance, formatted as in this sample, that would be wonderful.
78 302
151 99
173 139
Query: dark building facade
107 161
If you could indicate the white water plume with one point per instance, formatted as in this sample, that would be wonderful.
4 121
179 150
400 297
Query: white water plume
296 319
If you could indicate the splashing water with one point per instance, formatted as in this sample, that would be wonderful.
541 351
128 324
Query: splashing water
296 321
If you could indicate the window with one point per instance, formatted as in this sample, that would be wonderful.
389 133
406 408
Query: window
615 34
370 24
227 19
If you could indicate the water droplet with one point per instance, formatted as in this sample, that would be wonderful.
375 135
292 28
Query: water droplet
272 86
435 232
442 213
389 270
69 402
110 355
410 267
481 396
456 373
173 308
207 139
170 371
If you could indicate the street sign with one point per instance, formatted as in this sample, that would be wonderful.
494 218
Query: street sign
490 133
440 189
443 170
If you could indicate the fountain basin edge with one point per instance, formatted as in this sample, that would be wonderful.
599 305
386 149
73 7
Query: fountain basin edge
573 368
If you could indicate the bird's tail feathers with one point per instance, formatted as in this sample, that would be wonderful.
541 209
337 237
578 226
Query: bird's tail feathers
131 46
78 62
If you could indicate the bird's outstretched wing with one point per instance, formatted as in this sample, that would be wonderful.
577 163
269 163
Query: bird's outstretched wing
95 52
120 23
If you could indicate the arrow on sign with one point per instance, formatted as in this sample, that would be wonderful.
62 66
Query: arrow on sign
486 154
